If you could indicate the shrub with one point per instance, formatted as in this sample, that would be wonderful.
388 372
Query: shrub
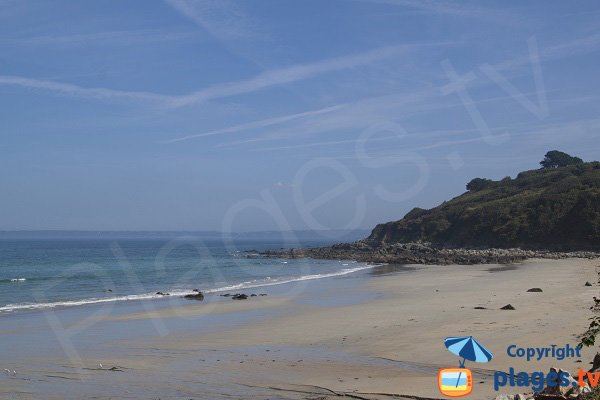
556 159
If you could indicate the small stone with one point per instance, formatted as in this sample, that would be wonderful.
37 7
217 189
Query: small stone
508 307
535 289
479 308
588 283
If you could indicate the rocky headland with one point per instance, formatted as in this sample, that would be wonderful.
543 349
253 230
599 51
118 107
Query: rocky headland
550 212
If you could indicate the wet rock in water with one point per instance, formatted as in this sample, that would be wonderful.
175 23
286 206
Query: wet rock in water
508 307
196 296
196 290
263 294
239 296
162 294
588 283
226 295
253 295
535 289
479 308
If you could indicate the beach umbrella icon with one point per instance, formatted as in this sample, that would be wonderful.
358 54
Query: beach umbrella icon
468 348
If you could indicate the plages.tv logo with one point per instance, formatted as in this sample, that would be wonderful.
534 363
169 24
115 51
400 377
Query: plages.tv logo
457 382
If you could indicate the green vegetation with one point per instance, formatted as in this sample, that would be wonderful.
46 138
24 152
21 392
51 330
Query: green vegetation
557 159
556 207
589 337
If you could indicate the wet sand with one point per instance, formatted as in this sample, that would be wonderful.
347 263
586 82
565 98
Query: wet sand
372 334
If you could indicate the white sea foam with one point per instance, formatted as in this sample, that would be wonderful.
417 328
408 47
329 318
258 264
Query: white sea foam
18 279
268 281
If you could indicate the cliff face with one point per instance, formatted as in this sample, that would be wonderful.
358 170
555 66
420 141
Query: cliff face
550 208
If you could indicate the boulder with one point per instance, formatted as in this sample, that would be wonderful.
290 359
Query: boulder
196 296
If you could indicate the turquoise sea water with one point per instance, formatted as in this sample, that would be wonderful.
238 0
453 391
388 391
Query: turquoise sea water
42 273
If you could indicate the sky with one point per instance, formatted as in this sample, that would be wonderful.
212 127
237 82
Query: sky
279 114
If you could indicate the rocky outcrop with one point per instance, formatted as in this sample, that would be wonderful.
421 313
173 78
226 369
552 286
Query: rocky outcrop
421 253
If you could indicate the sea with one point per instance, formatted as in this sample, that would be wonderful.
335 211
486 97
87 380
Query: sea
48 270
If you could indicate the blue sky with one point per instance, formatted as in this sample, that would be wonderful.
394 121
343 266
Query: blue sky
260 115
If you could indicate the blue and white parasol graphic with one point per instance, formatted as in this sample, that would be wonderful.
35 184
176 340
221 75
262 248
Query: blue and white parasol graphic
467 348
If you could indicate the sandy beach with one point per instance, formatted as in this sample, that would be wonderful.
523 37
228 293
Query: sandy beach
372 334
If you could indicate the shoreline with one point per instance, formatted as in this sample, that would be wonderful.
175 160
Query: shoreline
376 331
10 309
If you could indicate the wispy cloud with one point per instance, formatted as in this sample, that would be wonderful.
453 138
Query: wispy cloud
366 112
126 37
74 90
444 8
258 124
289 75
568 48
264 80
222 19
283 75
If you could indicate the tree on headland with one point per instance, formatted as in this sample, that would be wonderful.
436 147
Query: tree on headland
479 184
556 159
